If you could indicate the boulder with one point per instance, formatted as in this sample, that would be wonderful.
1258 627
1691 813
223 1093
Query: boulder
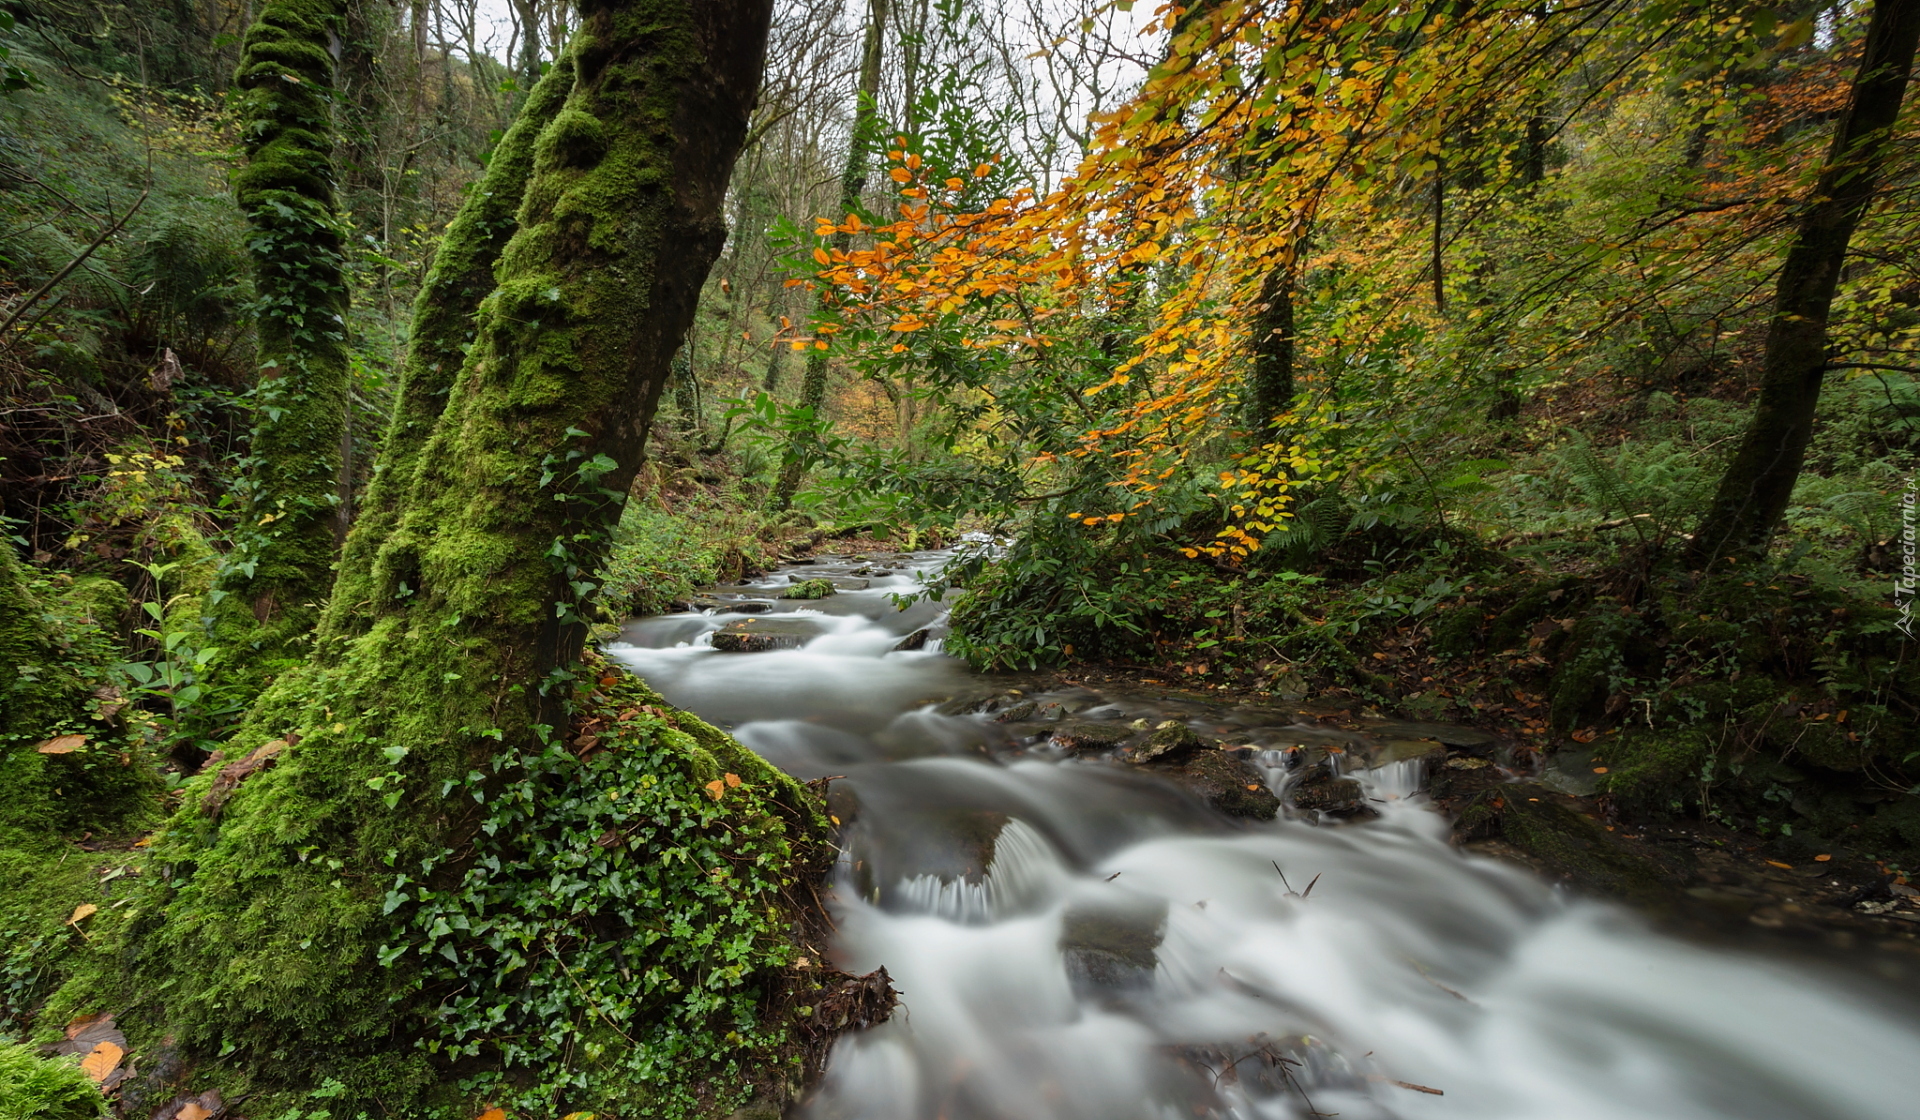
1223 779
1087 737
1171 741
810 589
914 641
758 635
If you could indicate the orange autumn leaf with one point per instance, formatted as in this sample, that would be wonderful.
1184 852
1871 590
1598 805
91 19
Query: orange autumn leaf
104 1058
715 788
733 780
900 175
492 1114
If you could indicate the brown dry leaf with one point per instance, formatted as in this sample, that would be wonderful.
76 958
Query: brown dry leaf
1599 769
1822 858
493 1114
733 780
1781 866
715 788
82 912
1583 736
101 1061
192 1110
62 744
144 842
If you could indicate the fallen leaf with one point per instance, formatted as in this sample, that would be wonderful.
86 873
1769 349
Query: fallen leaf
715 788
1599 769
143 842
733 780
82 912
585 1115
1583 736
493 1114
62 744
101 1061
192 1110
1821 858
1781 866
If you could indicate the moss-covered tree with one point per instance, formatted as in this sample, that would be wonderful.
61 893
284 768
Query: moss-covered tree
443 331
453 839
298 496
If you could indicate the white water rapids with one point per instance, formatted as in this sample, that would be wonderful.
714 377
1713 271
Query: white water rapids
1127 953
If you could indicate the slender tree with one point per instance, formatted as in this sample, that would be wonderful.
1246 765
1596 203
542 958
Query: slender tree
298 495
853 181
1759 480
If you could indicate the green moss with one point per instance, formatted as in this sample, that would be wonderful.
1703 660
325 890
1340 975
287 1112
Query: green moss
1541 824
45 1088
1592 665
1656 771
809 589
376 564
275 579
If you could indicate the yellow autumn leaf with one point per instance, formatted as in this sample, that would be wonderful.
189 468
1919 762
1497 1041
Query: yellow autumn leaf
102 1061
82 912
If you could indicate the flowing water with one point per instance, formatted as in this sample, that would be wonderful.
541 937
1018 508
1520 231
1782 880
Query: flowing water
1075 938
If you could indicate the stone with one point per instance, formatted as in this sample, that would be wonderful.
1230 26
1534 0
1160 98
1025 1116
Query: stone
1087 737
1112 949
914 641
759 635
1169 741
1337 796
810 589
1224 780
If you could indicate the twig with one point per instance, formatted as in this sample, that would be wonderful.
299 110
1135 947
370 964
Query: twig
6 337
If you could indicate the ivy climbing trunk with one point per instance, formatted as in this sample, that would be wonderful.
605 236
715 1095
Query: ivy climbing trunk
443 330
377 891
297 494
853 181
1759 480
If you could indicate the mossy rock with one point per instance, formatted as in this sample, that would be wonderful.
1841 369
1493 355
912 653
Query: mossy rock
1543 825
1510 627
1655 771
1089 737
810 589
1593 656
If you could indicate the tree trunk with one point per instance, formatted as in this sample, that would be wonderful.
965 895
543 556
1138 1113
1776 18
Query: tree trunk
1759 481
268 592
423 765
443 329
813 383
1271 388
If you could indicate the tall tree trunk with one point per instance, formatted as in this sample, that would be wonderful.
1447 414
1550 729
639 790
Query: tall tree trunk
268 593
1759 481
286 930
443 330
1270 390
853 181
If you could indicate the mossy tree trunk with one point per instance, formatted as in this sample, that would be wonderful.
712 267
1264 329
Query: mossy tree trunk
1759 480
1270 386
298 494
442 332
853 181
288 930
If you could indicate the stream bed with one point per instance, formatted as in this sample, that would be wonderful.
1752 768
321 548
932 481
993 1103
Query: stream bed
1077 934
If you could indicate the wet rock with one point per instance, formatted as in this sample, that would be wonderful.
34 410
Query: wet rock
1565 842
1170 741
1019 710
1107 950
759 635
965 705
851 584
1465 738
914 641
1087 737
750 606
1408 750
1225 780
809 589
1341 797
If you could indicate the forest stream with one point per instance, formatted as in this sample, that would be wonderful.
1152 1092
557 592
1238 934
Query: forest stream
1073 936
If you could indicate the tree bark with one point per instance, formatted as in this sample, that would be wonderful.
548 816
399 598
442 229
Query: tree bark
1271 387
853 181
1759 481
268 592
